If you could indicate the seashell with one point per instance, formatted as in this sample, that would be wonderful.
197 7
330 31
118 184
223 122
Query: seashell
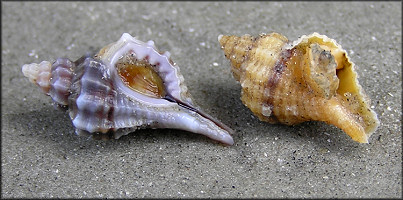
127 85
310 79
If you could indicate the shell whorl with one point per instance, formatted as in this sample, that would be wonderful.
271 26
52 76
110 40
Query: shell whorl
61 80
250 68
292 82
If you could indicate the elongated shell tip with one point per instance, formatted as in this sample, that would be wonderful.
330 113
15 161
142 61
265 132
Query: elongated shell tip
364 140
31 71
38 74
228 140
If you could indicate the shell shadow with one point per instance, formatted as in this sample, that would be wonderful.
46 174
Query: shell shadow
55 127
226 98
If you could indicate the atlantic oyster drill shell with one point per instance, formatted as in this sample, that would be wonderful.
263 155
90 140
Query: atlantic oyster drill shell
127 85
310 79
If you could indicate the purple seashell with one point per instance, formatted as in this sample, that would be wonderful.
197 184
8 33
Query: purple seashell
101 104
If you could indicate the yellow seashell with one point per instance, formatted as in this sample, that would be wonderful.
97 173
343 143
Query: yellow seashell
310 79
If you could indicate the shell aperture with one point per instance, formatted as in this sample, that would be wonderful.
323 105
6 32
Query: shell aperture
310 79
127 85
140 76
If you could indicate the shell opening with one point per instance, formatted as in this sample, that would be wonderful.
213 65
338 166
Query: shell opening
140 76
332 75
320 71
163 76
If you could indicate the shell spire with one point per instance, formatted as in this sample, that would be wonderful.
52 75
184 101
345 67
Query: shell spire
127 85
311 79
39 74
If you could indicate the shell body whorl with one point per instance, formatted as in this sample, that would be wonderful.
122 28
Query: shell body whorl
127 85
311 79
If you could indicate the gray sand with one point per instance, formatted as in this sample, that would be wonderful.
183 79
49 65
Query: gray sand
41 157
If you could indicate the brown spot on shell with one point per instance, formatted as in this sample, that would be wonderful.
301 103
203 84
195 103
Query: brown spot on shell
274 79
